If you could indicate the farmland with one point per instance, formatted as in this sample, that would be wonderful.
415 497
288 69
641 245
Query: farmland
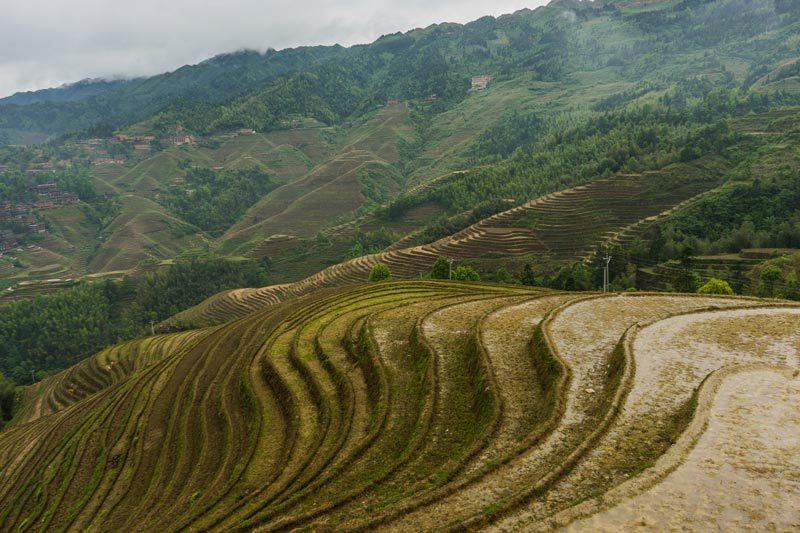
419 405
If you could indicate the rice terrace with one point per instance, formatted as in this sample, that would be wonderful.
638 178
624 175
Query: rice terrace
532 265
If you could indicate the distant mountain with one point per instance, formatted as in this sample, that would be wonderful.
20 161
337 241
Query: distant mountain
214 80
334 83
70 92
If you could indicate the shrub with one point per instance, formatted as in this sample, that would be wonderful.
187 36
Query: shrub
441 269
8 396
716 286
463 273
527 277
770 276
380 272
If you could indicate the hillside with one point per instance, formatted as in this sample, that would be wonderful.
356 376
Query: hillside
560 228
423 405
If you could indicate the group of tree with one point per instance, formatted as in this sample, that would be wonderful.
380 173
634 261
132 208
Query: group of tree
41 336
442 269
18 186
214 199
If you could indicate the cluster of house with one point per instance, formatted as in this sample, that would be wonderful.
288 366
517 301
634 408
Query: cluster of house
42 167
23 214
143 143
48 196
480 83
108 160
8 241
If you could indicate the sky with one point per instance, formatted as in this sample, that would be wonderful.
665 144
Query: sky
45 43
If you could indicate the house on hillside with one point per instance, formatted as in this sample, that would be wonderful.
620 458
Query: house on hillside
178 140
8 241
246 131
141 147
121 137
37 227
480 83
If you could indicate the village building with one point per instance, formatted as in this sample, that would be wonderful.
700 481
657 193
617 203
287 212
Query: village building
37 227
141 147
246 131
480 83
8 241
178 140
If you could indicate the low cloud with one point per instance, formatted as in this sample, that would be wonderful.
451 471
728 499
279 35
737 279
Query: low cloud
47 43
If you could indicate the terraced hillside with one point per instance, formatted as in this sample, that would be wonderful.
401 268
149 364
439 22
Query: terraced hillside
560 227
424 406
334 189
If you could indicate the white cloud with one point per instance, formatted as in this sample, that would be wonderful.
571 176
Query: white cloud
44 43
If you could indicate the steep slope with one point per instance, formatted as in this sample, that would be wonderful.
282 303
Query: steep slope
418 405
563 227
333 190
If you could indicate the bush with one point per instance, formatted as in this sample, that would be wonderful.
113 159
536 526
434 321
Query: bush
441 269
716 286
463 273
380 272
770 276
8 397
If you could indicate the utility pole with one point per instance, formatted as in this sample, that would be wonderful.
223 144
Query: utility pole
450 271
607 260
33 377
152 327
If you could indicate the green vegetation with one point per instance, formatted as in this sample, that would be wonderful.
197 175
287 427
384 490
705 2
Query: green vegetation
56 331
380 272
16 186
715 286
41 336
441 268
8 400
213 200
464 273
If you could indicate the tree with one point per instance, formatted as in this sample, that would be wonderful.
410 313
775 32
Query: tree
380 272
769 277
716 286
441 269
503 276
464 273
8 397
527 277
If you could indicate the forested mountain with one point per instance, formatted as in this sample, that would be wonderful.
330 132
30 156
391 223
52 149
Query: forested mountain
70 92
553 44
217 79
